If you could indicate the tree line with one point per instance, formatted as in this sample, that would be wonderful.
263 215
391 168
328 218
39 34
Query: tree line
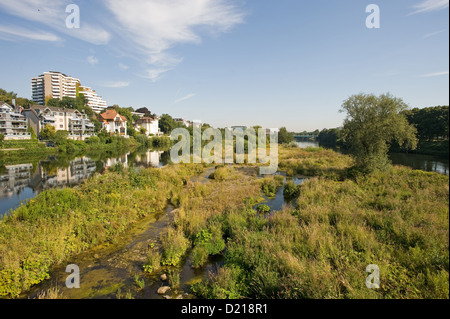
431 124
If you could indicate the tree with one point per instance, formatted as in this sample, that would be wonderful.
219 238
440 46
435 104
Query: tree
48 132
285 137
167 124
7 97
145 111
431 122
372 124
2 138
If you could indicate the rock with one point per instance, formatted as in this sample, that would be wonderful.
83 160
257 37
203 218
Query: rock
167 297
180 297
163 277
163 290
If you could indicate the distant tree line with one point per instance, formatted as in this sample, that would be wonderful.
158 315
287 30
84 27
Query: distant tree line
7 97
431 123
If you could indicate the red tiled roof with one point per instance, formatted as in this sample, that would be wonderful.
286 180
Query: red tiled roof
110 115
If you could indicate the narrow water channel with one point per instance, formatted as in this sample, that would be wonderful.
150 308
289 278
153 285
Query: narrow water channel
110 270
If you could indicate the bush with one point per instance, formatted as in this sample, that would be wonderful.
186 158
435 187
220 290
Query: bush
174 246
153 261
291 190
199 256
93 140
263 209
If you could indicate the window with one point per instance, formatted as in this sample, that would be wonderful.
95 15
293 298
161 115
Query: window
61 126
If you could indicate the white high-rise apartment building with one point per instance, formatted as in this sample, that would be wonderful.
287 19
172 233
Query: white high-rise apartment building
53 85
95 102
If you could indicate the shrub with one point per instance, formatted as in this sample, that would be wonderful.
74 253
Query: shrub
263 209
153 261
199 256
174 246
291 190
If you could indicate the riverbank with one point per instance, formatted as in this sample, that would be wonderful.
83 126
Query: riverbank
60 223
397 220
317 248
436 148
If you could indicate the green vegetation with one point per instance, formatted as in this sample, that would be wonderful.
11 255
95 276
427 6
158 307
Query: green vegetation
167 124
15 151
285 137
340 223
79 103
431 122
397 219
432 132
372 124
7 97
59 223
313 162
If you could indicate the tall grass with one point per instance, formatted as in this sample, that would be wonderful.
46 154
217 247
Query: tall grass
398 220
59 223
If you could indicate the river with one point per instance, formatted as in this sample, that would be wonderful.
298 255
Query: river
422 162
24 181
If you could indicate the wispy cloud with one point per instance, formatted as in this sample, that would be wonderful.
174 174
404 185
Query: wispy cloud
12 32
147 30
432 34
429 75
166 24
116 85
187 97
53 15
123 66
92 60
429 6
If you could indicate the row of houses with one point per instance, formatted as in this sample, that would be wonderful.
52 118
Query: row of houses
15 122
114 123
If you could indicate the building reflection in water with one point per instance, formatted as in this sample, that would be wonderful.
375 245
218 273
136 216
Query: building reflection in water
150 159
15 178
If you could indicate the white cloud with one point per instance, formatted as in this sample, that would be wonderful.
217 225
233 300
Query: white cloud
123 66
53 14
430 5
12 32
187 97
152 27
116 85
435 74
92 60
154 74
432 34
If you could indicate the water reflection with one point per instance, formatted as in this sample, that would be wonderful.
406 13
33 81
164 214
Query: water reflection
20 182
423 162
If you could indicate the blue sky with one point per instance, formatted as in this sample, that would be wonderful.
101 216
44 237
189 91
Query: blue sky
273 63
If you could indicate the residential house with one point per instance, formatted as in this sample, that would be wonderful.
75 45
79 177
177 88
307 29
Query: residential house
150 124
13 124
114 123
73 121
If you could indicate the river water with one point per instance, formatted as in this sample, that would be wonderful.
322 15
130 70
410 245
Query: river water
24 181
422 162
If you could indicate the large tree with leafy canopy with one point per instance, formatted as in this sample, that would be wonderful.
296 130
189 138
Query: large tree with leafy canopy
372 124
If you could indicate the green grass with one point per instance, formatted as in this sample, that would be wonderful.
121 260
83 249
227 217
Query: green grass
59 223
397 220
